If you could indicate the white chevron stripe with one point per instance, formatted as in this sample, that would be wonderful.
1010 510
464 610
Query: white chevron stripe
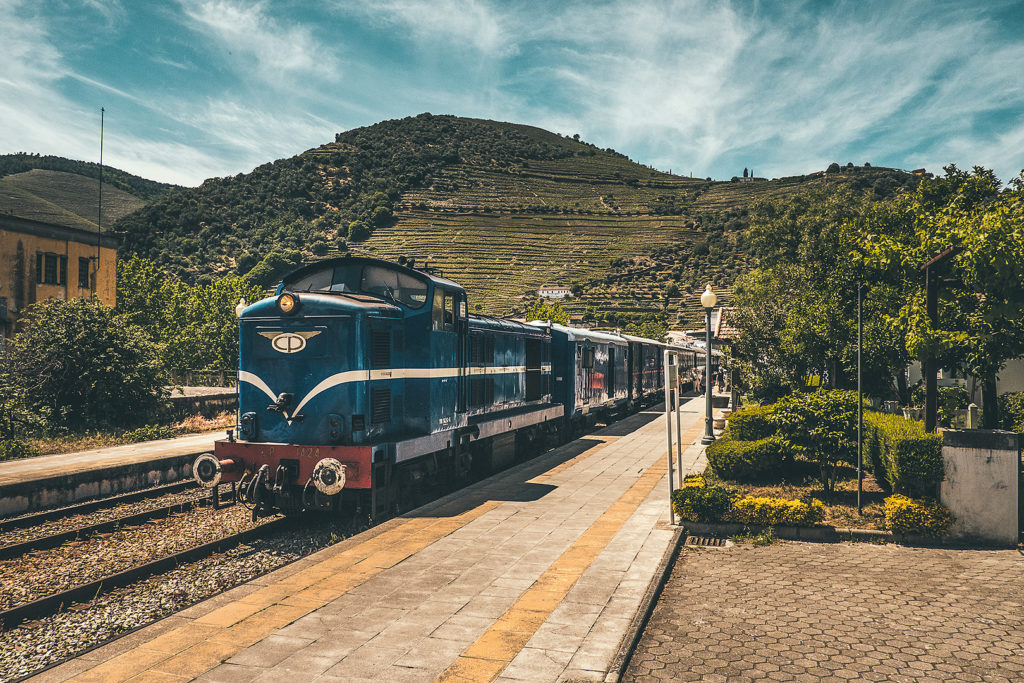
393 373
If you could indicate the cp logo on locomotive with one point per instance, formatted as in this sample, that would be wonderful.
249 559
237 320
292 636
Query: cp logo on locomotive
289 342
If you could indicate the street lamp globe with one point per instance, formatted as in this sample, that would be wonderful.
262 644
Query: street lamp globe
708 299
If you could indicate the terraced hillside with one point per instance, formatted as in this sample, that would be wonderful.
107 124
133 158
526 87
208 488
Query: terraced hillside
502 258
590 221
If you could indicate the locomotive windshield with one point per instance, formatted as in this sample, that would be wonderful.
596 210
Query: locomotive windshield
358 278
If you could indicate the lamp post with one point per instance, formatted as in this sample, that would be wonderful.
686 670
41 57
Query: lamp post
708 300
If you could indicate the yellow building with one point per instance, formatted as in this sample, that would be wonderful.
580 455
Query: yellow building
44 261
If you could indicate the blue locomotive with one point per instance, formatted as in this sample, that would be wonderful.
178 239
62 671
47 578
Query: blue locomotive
360 379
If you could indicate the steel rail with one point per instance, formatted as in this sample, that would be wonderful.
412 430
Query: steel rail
91 506
61 537
85 592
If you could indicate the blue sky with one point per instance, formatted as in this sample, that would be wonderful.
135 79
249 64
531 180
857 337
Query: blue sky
201 88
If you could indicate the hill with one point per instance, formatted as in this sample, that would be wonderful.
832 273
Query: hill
11 164
66 192
502 208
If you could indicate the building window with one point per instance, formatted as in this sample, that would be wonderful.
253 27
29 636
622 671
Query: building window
51 269
83 273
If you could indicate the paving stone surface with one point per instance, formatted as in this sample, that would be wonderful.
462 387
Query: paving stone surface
837 612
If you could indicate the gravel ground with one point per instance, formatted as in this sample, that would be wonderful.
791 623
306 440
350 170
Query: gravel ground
70 522
41 573
34 645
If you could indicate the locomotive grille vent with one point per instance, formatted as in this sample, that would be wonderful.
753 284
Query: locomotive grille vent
380 350
380 405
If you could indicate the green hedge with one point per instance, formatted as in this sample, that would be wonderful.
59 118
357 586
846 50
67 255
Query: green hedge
1011 411
904 458
752 423
739 460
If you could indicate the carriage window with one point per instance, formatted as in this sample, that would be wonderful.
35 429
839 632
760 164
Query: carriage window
588 358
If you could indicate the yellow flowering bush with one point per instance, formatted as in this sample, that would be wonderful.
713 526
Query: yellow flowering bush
776 511
919 517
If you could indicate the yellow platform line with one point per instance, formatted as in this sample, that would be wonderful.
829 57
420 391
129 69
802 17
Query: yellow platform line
201 645
486 658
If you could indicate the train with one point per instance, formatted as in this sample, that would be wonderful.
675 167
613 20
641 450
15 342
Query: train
362 382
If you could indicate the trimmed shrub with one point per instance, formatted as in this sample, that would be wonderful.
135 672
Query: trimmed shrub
904 458
752 423
702 503
821 426
738 460
918 517
775 511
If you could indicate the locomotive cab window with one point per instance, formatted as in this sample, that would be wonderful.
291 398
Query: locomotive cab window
386 283
443 312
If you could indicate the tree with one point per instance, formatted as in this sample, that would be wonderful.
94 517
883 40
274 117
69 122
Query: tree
79 365
357 231
981 302
745 172
797 310
193 327
543 310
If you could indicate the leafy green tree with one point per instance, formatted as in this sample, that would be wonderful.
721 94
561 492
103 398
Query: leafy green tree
357 231
193 327
650 329
543 310
981 301
79 365
273 266
797 310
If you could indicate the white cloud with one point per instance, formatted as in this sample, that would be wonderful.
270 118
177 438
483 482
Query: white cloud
261 46
450 24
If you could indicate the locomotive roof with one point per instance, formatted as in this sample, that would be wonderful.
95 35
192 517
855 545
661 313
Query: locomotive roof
301 272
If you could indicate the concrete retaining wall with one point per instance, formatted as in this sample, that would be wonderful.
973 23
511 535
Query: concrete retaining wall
981 484
39 494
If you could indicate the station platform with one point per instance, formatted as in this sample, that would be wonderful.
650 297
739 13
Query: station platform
535 573
32 484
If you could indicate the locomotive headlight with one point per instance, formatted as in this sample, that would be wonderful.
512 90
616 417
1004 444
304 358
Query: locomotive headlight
329 476
288 303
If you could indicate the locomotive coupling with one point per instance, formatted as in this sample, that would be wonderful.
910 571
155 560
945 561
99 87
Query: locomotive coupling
329 476
207 469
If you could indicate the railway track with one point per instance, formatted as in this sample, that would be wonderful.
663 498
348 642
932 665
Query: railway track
54 540
37 518
90 590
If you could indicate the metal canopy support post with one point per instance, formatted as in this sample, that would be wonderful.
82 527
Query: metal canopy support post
668 433
679 425
860 397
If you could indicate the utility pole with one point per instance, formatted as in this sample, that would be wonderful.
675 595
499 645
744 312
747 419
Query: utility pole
99 215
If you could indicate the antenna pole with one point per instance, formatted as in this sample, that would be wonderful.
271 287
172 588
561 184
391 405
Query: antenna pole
99 212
